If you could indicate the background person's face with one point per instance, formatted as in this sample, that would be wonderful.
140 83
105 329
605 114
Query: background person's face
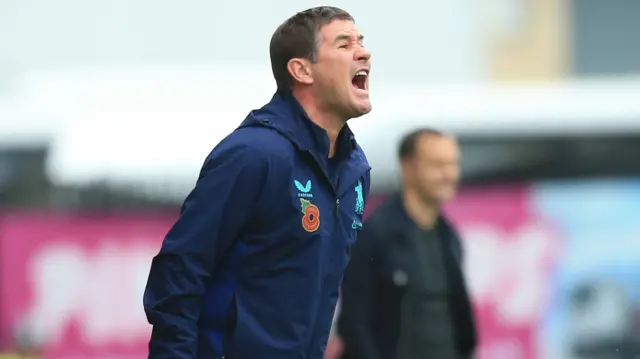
340 57
434 171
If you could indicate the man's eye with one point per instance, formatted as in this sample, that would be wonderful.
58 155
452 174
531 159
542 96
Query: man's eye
344 46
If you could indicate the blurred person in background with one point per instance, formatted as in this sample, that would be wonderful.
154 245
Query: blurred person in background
252 267
404 295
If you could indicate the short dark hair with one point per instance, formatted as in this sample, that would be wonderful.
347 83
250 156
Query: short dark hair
297 37
409 143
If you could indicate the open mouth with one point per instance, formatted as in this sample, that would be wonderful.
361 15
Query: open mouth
359 81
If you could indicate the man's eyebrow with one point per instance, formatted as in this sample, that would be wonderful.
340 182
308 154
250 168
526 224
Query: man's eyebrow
347 38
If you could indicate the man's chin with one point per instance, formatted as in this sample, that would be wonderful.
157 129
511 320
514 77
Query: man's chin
361 108
446 195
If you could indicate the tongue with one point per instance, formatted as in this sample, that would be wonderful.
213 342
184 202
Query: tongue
358 82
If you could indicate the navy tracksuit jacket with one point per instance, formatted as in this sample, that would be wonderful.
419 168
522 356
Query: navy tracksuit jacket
251 269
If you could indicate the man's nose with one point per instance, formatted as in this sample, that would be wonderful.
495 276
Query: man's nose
362 55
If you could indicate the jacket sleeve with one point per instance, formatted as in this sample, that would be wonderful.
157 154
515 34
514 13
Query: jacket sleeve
212 216
354 322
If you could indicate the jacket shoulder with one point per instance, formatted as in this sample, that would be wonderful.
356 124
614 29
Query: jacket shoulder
379 217
385 220
260 141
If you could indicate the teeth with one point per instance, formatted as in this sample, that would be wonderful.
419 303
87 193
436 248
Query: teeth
361 73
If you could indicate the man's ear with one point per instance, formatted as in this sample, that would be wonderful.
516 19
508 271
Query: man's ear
406 167
300 70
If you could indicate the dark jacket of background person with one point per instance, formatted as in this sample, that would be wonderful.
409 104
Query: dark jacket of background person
371 321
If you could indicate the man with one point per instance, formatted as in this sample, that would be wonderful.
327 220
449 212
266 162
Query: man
403 295
251 269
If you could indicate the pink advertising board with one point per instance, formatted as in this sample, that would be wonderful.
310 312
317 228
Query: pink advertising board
510 255
79 279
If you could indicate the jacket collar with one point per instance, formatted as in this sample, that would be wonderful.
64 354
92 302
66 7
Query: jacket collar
285 114
442 226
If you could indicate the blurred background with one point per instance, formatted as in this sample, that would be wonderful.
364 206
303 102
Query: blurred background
108 108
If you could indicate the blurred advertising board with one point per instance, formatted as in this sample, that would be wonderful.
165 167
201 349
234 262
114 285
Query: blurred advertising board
78 280
510 255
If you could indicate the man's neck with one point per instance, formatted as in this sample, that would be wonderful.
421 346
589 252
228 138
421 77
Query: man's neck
328 121
423 213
